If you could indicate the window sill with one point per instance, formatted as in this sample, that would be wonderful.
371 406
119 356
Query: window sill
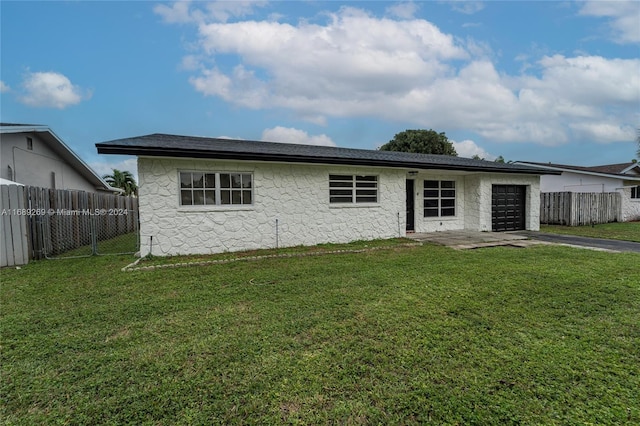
354 205
206 209
440 218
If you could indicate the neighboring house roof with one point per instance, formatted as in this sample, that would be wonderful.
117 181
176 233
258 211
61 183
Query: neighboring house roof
625 171
163 145
57 145
4 181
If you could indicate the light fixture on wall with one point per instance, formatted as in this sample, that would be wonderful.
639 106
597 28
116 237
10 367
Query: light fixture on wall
413 173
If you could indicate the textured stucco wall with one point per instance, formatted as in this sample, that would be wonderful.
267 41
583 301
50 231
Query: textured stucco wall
473 197
296 195
478 194
630 207
434 224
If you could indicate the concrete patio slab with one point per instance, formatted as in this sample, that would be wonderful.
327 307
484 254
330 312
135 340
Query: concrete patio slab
464 240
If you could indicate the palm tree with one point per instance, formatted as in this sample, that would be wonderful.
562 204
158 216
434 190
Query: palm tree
123 180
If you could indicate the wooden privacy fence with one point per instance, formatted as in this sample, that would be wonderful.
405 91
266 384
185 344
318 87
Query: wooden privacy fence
63 221
15 230
580 208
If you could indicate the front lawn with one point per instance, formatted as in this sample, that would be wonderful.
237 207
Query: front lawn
625 231
406 335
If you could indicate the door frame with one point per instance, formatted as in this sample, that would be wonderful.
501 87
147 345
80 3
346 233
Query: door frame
410 205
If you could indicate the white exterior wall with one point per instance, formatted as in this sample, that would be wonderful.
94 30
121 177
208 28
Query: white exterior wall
473 201
435 224
630 206
297 195
40 166
478 194
575 182
473 207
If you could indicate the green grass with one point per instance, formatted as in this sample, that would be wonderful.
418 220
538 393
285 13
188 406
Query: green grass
125 243
298 250
625 231
544 335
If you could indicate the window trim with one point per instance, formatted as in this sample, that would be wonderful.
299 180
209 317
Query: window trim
217 190
363 191
439 199
637 193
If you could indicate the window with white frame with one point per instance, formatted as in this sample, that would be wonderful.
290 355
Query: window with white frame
211 189
439 198
635 192
344 189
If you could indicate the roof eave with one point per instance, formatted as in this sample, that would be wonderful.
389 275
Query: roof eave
244 156
67 153
557 170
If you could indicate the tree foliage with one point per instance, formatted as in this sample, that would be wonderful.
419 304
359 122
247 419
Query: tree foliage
123 180
500 159
421 142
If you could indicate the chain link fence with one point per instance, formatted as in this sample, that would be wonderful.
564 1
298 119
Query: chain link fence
39 223
69 234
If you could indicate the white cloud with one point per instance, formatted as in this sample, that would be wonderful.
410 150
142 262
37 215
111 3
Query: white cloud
241 87
604 131
224 10
403 10
190 63
408 71
106 167
4 88
468 148
624 17
343 67
590 79
181 12
51 90
466 6
291 135
178 12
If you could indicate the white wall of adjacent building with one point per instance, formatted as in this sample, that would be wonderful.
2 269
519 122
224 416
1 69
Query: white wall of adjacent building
34 163
578 182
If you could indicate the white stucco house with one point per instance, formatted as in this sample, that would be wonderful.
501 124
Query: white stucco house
34 155
623 178
205 195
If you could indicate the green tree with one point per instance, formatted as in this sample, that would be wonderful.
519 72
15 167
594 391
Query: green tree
500 159
123 180
638 140
421 142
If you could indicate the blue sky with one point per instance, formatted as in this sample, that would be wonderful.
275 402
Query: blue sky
536 81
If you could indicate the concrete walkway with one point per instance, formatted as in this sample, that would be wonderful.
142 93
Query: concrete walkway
573 240
463 240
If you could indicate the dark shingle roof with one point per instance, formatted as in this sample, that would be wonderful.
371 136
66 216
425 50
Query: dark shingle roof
608 169
163 145
20 125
